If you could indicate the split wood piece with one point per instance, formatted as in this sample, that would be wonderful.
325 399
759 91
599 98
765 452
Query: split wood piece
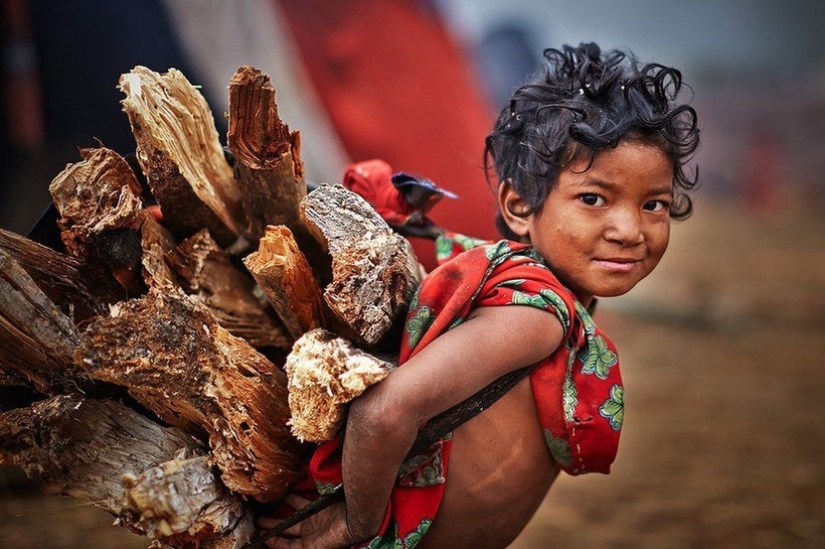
286 279
179 151
375 271
78 288
181 503
208 272
157 243
268 163
168 350
37 339
99 202
82 448
325 373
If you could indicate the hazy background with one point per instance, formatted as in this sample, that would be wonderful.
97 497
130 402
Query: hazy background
722 347
757 69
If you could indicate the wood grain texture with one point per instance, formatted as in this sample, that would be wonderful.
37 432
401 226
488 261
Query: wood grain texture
179 151
170 353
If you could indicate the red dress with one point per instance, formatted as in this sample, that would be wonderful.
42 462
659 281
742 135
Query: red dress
577 390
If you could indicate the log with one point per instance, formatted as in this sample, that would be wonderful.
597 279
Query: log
182 503
268 164
208 273
80 289
179 151
325 373
169 352
286 280
82 447
177 346
156 480
99 203
37 340
375 272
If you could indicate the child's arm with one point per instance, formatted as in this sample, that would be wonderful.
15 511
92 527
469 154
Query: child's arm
384 421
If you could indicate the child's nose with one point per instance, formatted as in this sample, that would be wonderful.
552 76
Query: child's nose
625 226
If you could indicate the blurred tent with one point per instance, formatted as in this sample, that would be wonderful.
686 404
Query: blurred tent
398 87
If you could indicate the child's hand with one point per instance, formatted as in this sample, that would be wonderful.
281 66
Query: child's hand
326 529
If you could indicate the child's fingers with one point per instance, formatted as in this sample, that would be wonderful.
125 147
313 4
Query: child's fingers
295 501
267 523
282 543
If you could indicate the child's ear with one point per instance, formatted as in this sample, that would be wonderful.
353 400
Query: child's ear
514 210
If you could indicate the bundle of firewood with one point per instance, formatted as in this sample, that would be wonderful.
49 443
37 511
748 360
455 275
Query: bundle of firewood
203 316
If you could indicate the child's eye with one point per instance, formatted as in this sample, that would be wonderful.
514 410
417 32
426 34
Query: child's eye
656 205
592 199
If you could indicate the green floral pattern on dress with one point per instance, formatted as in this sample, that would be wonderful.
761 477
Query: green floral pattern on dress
559 449
568 390
448 245
558 304
326 487
425 469
520 298
596 357
412 539
613 408
587 320
498 251
391 539
417 325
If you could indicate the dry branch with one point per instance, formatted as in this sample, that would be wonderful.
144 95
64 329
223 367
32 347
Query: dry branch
95 195
374 270
180 153
325 373
155 480
82 448
156 243
173 357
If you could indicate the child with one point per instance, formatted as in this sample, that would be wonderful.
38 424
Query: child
589 159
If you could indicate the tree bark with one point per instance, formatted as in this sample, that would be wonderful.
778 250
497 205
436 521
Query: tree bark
374 270
100 205
156 480
80 289
182 503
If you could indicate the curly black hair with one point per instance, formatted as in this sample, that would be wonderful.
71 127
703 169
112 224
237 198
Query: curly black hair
582 101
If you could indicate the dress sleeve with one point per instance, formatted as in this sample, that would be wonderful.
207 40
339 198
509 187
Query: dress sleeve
523 281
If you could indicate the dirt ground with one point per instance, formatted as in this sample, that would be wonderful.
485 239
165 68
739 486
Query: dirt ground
723 356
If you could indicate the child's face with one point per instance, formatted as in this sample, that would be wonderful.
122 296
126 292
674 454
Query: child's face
604 228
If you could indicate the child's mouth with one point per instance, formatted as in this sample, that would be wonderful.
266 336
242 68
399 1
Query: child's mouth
619 265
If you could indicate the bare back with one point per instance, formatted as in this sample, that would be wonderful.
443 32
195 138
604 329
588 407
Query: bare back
500 470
